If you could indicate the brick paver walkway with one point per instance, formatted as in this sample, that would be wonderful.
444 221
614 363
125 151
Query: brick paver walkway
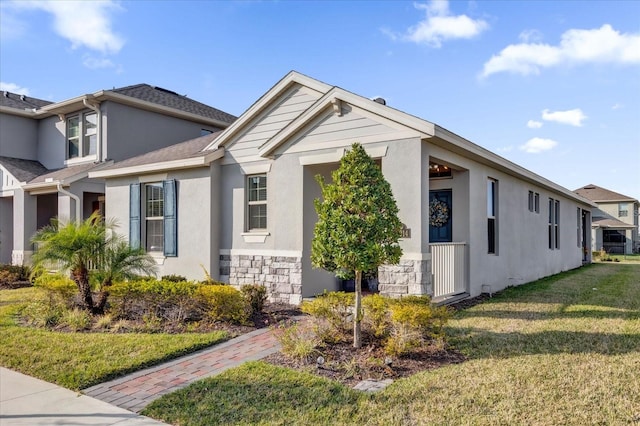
135 391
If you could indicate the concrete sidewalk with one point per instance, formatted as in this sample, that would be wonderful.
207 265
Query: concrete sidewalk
28 401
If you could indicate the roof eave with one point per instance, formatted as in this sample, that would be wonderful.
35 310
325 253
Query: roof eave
186 163
17 111
478 153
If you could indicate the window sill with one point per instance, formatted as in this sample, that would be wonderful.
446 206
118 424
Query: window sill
159 257
81 160
257 237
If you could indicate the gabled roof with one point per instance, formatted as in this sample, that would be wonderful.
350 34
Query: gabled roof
21 102
23 170
335 97
168 98
602 195
293 77
181 155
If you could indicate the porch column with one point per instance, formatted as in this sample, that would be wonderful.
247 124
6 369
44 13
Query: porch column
405 167
24 226
67 207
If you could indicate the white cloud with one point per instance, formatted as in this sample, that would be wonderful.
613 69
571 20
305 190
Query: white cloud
538 145
530 35
600 45
440 25
13 88
617 106
532 124
573 117
83 23
97 63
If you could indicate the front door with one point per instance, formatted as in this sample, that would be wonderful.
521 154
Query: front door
440 216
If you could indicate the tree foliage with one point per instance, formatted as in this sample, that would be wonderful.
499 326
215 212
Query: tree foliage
358 228
89 248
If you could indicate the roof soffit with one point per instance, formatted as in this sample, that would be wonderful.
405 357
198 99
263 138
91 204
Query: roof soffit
263 104
366 107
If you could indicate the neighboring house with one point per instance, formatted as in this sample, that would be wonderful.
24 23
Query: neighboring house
240 203
47 150
614 226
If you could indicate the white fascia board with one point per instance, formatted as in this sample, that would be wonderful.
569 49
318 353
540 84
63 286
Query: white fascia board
264 101
484 156
187 163
423 127
16 111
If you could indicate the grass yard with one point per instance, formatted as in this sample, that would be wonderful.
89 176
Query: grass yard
80 360
564 350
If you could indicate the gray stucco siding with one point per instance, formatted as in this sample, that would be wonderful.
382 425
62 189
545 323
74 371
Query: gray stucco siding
195 192
18 136
132 131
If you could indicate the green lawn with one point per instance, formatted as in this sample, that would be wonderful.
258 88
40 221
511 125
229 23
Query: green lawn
564 350
80 360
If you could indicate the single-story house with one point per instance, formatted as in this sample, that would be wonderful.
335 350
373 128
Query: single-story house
239 202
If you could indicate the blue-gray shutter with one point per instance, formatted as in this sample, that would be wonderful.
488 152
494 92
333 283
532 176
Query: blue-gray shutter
134 215
170 219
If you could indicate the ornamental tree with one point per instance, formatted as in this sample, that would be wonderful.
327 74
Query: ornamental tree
358 228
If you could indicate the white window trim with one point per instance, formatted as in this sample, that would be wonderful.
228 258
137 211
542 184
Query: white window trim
156 254
248 229
82 133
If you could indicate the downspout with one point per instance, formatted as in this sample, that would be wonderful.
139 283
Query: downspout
98 127
75 198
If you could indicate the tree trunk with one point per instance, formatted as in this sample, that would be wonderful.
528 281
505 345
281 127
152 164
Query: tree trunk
81 277
357 314
102 298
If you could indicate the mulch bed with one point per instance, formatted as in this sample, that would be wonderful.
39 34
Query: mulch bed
6 285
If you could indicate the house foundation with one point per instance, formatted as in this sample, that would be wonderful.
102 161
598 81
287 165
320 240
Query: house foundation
408 277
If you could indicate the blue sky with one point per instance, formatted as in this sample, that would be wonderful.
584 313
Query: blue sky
551 85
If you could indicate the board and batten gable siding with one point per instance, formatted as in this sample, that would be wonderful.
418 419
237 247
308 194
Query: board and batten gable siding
290 105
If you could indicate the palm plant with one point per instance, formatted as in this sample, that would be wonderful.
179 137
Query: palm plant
74 247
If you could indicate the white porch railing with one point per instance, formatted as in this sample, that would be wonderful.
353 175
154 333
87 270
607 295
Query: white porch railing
449 269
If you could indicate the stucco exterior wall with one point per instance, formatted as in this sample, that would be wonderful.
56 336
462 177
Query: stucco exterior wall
18 136
130 131
195 192
522 243
52 145
6 225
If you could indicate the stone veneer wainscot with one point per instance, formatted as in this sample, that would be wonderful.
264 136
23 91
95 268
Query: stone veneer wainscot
281 275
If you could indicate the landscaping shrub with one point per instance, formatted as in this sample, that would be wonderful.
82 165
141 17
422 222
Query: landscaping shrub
42 314
76 319
335 307
223 303
173 302
13 274
376 315
60 289
255 295
413 321
297 341
173 278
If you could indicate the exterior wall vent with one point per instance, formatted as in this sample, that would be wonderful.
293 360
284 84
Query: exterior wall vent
379 100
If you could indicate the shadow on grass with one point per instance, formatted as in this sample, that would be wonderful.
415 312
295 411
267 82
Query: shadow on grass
479 343
258 393
546 315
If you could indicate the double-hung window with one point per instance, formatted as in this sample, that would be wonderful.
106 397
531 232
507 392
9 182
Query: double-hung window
153 217
82 136
534 202
623 209
554 224
492 216
257 202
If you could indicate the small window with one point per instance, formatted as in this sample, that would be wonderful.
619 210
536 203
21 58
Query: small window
536 202
257 202
82 135
531 206
492 226
623 210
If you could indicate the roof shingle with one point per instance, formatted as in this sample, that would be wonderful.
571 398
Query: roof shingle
164 97
22 102
23 170
598 194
